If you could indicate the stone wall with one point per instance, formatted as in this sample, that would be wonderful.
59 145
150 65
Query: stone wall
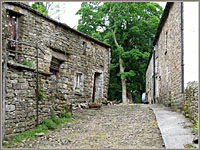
149 82
191 101
76 53
168 60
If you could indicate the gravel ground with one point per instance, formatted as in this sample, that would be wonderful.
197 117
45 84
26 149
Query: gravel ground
116 126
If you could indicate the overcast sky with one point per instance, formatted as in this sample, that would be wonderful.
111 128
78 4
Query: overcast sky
190 33
71 19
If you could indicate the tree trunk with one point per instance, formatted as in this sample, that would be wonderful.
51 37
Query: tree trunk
124 95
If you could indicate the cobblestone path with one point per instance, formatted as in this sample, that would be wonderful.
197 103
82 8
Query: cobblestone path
116 126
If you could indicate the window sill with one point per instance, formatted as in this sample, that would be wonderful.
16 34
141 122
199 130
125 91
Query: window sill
78 92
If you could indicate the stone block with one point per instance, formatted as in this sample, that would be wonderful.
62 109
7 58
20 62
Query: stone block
13 76
10 108
24 86
17 86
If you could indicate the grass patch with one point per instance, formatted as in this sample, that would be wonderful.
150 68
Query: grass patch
197 126
50 123
189 146
189 126
138 103
30 133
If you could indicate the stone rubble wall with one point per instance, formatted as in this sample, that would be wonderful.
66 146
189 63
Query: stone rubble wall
191 101
149 82
169 60
55 41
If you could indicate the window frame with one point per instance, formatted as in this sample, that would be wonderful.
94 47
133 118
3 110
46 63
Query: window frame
78 80
55 65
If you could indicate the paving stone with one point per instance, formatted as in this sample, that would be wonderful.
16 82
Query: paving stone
115 126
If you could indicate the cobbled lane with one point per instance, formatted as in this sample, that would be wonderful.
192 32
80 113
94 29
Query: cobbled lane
115 126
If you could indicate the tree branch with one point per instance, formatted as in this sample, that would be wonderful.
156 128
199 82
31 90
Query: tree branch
115 40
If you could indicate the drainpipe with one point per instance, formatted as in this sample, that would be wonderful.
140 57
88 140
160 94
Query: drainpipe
154 77
182 65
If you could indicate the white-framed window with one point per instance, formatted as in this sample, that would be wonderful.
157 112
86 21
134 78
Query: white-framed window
78 81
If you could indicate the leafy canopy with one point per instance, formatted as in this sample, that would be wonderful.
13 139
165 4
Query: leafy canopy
39 6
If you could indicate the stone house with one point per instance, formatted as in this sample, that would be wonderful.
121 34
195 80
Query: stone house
72 67
164 72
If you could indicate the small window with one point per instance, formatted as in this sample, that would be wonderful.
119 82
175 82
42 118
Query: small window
78 81
84 47
166 38
13 29
55 65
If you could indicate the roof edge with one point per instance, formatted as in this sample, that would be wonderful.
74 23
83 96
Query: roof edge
159 28
27 7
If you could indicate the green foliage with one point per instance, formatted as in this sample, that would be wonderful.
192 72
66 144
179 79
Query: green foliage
50 123
65 114
26 62
134 23
30 133
197 126
189 146
30 63
39 6
54 121
41 90
138 103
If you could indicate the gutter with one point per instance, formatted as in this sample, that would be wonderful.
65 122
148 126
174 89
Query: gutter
154 76
182 65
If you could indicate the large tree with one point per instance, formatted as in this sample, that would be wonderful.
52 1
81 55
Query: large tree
127 27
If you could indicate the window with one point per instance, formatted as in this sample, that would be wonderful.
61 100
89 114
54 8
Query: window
13 29
55 65
78 81
166 37
84 47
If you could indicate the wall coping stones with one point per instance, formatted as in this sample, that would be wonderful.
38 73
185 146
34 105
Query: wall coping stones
18 65
22 5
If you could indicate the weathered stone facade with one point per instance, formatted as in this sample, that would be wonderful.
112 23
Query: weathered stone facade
149 82
82 63
167 45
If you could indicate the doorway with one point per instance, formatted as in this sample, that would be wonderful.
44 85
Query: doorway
97 87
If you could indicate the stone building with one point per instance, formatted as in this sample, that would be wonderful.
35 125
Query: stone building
72 67
165 75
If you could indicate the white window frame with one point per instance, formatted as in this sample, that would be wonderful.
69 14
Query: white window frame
78 81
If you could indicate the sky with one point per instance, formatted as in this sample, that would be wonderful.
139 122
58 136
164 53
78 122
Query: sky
72 7
191 20
190 33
